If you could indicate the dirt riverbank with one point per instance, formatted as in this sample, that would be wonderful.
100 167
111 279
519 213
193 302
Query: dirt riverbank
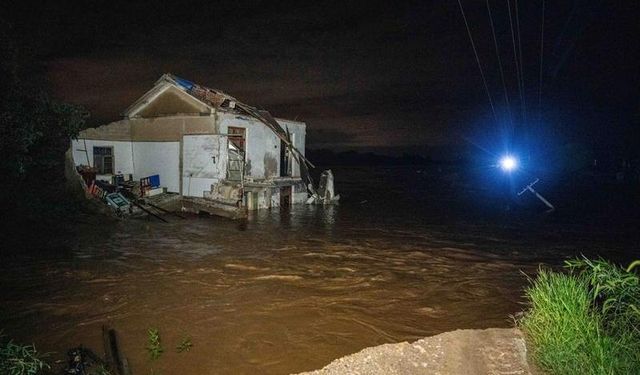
463 352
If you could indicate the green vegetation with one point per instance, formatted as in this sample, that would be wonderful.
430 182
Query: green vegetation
185 345
614 291
35 132
20 359
586 321
101 370
153 343
34 129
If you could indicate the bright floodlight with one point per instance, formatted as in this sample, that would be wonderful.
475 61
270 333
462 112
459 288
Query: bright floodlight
508 163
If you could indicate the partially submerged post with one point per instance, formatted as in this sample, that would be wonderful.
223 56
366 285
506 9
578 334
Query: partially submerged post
508 164
325 193
114 357
538 195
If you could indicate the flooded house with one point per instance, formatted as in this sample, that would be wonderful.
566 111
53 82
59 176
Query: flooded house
201 145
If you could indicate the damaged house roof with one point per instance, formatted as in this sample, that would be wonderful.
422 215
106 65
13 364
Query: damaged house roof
207 96
218 99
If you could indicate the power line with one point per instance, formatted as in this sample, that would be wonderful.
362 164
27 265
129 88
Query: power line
515 54
541 60
475 52
495 42
524 104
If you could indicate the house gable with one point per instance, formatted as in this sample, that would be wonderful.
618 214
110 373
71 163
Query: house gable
167 100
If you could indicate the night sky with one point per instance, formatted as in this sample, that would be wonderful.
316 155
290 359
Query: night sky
383 76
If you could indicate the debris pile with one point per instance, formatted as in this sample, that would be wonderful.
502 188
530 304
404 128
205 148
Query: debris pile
325 193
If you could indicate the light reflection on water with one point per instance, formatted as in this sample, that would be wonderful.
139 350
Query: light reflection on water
285 291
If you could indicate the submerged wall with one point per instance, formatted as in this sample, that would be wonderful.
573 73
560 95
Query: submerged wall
140 159
204 163
298 132
82 151
190 152
262 145
161 158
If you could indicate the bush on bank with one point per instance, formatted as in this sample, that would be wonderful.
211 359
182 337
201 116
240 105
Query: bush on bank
586 321
18 359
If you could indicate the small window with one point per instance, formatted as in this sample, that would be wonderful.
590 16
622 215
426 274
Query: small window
237 137
103 159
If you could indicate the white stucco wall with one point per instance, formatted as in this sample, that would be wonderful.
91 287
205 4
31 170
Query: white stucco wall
140 159
161 158
122 153
299 195
200 170
263 146
298 131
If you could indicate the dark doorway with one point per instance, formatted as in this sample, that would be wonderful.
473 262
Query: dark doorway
285 160
285 196
237 151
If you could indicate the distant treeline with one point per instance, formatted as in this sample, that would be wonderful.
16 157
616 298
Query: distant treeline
329 157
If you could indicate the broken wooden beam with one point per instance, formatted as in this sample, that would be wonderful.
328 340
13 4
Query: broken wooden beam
148 212
114 357
165 211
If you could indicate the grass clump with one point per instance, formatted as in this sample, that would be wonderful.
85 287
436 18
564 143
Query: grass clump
20 359
154 347
586 321
101 370
614 291
185 345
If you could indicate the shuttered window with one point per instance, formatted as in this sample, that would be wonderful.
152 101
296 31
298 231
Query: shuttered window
237 137
103 159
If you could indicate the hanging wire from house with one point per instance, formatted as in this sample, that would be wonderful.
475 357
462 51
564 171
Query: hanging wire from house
504 85
475 52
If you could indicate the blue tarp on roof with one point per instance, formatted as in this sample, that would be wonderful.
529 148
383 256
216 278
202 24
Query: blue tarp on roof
183 82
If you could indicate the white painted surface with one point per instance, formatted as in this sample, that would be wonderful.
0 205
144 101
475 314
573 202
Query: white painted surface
275 198
263 145
141 159
264 198
298 132
122 154
204 162
298 194
161 158
200 171
196 187
260 143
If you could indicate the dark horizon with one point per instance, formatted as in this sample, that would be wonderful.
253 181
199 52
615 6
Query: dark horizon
422 221
380 77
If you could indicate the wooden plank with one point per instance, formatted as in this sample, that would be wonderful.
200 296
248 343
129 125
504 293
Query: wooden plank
148 212
108 355
165 211
115 359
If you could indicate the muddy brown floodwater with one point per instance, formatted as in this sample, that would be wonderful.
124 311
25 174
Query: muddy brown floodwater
286 291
